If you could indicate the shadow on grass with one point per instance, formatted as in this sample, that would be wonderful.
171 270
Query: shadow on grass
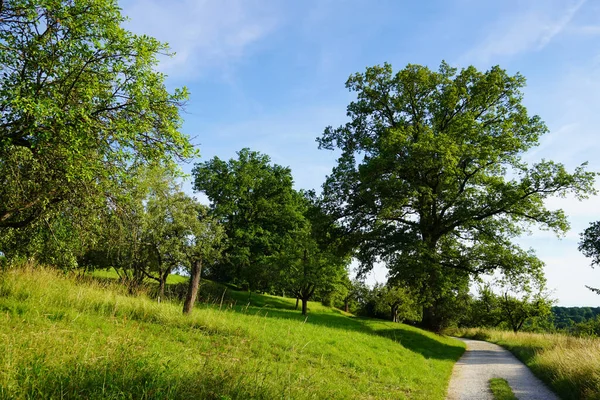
410 339
215 294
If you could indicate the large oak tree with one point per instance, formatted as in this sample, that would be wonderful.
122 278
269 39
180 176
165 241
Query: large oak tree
432 180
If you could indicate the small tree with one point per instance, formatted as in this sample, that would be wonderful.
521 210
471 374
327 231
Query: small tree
306 268
400 302
204 247
310 259
170 226
516 305
485 309
516 311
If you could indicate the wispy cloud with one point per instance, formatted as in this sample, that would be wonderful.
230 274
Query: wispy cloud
590 30
529 29
202 33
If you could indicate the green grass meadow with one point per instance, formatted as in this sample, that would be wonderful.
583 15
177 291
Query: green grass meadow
63 337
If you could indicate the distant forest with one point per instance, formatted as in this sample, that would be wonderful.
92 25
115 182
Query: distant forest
567 317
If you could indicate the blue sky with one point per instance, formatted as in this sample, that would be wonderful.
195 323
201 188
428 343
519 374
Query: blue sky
270 75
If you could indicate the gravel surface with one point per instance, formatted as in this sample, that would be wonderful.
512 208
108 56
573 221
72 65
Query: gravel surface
483 361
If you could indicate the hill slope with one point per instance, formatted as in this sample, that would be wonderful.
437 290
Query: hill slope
63 338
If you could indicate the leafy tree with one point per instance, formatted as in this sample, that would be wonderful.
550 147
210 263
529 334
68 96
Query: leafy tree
356 295
121 228
431 178
515 307
58 238
516 311
353 293
79 101
152 228
309 260
171 221
485 310
204 247
257 206
590 246
400 303
389 301
590 327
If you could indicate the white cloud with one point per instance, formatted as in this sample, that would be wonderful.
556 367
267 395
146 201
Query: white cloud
527 29
202 33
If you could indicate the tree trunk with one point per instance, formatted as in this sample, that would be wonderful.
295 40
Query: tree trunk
304 305
297 301
394 313
431 320
161 288
346 305
192 292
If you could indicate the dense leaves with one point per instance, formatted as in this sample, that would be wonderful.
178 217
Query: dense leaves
258 207
153 229
79 101
431 178
310 260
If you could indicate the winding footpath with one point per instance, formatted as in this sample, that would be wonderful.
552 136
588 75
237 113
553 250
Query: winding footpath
483 361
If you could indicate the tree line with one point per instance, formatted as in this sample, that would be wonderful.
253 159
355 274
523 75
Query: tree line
431 180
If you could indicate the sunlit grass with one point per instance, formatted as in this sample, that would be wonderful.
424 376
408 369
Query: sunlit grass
64 338
112 274
501 389
570 365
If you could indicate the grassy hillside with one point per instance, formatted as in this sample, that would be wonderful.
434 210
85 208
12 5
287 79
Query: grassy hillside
111 274
570 365
62 338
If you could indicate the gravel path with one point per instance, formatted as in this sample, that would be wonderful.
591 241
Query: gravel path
483 361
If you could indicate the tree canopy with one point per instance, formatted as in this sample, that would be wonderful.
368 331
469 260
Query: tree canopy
431 178
80 99
309 259
255 202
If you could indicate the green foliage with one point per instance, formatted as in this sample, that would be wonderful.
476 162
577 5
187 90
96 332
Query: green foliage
100 343
422 181
512 309
590 327
399 302
517 310
484 311
590 246
565 317
152 228
501 390
309 260
79 100
258 208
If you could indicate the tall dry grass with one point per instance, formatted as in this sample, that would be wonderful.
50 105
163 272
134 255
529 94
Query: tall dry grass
569 365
